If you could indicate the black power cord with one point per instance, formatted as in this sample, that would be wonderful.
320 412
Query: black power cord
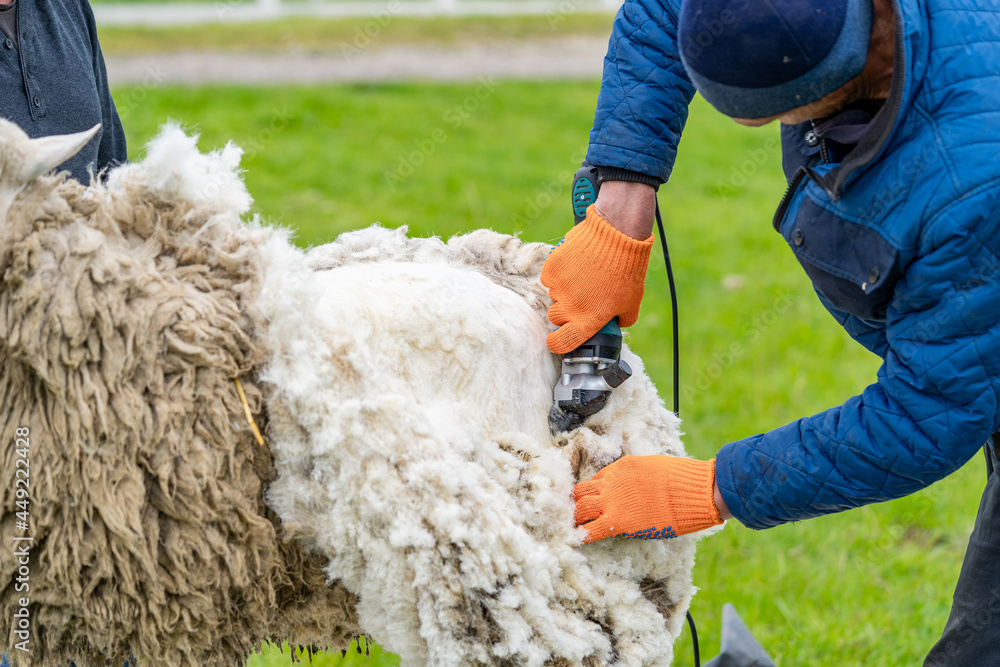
677 375
694 639
673 308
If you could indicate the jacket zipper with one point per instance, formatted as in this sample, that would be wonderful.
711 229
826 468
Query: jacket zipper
792 185
824 151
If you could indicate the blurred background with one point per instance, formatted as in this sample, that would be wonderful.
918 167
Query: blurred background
451 115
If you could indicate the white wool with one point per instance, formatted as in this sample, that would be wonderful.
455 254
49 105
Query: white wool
174 169
412 386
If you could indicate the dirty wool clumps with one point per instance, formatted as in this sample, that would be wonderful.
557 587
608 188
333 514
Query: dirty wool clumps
409 388
408 487
124 318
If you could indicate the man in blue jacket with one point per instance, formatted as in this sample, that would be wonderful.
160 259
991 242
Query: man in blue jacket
890 113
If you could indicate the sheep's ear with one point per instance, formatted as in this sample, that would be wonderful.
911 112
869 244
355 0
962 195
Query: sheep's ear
47 153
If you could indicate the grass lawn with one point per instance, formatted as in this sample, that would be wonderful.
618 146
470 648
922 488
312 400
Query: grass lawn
333 35
872 586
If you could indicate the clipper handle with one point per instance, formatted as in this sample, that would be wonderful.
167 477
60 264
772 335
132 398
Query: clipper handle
586 185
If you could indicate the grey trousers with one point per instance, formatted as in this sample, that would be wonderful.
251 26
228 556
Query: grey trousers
972 635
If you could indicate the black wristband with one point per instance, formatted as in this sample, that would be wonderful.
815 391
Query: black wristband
619 174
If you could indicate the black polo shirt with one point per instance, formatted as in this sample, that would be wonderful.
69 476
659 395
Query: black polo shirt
53 81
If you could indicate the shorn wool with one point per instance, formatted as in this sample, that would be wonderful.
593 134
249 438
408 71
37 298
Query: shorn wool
408 488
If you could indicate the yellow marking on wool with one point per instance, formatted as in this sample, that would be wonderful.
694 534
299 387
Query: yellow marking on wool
246 410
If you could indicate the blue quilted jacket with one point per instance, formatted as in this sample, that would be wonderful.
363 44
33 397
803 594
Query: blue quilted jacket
901 240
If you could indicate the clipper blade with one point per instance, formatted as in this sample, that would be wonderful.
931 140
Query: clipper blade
561 421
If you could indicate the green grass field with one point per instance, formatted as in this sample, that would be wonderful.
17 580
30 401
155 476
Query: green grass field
872 586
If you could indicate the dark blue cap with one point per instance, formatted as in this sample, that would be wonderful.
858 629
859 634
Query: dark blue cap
760 58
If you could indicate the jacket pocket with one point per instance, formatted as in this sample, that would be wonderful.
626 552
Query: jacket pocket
850 264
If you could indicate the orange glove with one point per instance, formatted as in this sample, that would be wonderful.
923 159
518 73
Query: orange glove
648 497
594 274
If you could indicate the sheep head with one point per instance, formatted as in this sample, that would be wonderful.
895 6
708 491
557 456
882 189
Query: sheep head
22 160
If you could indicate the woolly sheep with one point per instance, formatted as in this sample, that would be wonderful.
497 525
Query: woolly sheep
124 318
409 488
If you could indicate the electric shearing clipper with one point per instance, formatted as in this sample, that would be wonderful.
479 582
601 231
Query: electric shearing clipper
591 371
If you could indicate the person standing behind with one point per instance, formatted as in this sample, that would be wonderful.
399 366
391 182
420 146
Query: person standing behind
53 79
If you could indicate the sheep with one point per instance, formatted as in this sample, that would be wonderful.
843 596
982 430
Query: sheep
407 488
124 319
408 390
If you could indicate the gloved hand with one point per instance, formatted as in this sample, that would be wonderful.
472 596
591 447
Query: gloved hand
648 497
594 274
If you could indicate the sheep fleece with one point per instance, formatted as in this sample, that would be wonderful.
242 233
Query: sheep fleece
125 314
409 389
409 488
